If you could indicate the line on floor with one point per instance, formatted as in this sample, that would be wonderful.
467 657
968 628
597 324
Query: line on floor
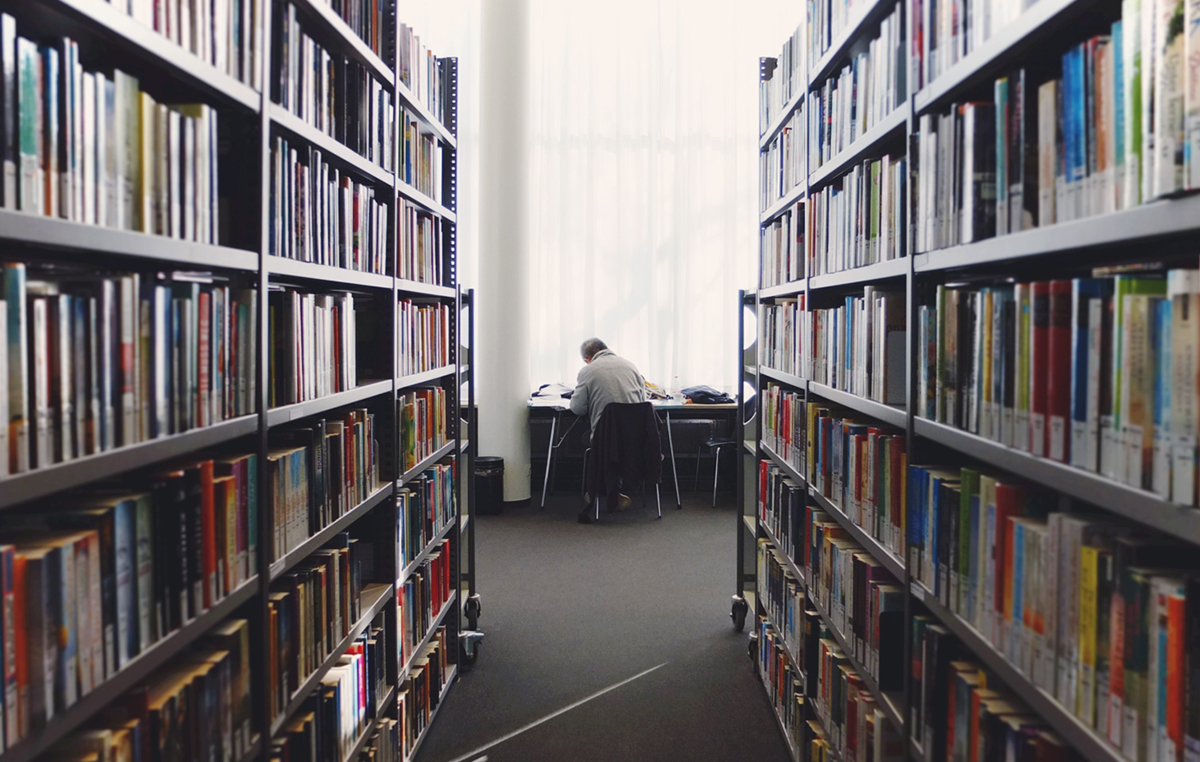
471 754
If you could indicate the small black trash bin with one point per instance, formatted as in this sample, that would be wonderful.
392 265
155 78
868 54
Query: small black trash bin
489 483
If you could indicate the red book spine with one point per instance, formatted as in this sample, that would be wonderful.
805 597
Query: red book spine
1039 402
764 469
1058 366
21 652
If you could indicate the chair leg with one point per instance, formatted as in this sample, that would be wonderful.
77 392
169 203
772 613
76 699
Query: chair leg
658 500
716 471
583 484
696 486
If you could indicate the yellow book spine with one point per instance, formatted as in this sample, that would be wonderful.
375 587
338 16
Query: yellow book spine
1085 694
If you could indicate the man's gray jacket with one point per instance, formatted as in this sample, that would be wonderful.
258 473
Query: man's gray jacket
607 378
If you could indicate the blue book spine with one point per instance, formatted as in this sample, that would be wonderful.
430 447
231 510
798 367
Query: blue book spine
124 539
1118 102
1018 598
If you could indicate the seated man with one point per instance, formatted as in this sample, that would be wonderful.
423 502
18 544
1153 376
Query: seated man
603 379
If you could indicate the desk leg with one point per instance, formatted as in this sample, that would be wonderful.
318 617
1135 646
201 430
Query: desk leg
674 465
549 455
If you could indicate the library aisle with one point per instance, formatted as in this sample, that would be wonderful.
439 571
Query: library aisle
573 609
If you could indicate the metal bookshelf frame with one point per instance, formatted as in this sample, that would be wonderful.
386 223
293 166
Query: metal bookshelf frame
47 239
1027 254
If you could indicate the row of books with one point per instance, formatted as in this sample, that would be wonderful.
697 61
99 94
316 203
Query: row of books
860 598
423 419
313 345
779 347
946 31
1113 130
783 424
782 596
323 215
422 597
426 681
95 363
861 467
781 163
421 157
199 707
859 218
859 347
337 714
781 508
369 19
331 92
422 336
1096 372
959 708
856 726
424 508
781 80
783 680
317 473
420 245
310 610
858 96
1088 608
426 76
224 33
782 250
92 579
91 147
382 745
826 21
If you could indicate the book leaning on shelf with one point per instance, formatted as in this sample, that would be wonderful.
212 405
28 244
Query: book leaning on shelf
313 345
372 21
317 473
858 96
424 508
323 215
344 707
91 147
423 416
783 425
858 219
420 245
198 707
331 92
94 578
1099 372
95 363
423 337
310 610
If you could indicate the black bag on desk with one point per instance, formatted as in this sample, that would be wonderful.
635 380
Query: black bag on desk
706 395
555 390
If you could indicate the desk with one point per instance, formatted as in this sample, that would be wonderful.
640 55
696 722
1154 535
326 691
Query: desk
558 407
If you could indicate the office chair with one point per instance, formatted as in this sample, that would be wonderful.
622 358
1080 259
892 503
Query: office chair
642 462
712 443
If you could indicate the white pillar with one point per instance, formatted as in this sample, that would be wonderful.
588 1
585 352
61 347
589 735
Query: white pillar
502 319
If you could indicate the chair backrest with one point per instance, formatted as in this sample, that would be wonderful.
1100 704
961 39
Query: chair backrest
626 438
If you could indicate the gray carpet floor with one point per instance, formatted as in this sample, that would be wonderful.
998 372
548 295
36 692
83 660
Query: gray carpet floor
571 609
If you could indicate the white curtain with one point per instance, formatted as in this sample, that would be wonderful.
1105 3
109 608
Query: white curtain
643 198
645 163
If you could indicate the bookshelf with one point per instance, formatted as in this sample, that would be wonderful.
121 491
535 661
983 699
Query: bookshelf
820 453
368 423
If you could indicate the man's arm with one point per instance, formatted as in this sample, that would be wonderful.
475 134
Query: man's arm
579 398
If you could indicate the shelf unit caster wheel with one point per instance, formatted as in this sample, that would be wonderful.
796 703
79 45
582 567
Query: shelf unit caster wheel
469 643
738 612
752 647
473 608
